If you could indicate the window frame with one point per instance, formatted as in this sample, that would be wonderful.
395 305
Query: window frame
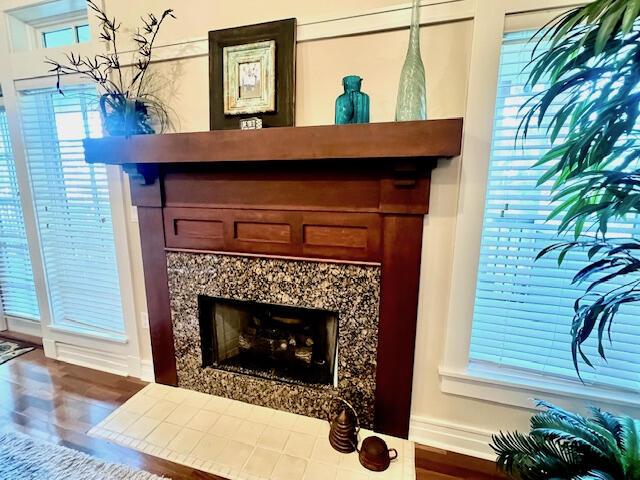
118 203
57 339
129 355
67 324
3 318
58 26
457 375
6 319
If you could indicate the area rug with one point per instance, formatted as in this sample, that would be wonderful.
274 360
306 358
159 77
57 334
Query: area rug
10 350
24 458
239 441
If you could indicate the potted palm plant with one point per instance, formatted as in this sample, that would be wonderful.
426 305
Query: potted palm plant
565 445
590 60
127 104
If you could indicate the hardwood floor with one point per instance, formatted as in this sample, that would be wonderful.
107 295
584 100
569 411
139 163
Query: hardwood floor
59 402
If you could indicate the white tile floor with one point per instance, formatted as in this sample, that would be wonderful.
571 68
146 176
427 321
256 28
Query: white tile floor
239 441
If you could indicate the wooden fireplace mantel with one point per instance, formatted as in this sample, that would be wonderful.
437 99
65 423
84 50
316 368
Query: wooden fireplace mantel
419 140
354 193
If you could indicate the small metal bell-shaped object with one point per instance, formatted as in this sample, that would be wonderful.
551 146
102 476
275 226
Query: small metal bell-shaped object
345 426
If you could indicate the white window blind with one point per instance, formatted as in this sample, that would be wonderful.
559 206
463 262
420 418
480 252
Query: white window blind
17 290
523 308
72 207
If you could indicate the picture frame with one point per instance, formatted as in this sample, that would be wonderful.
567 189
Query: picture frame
249 78
252 74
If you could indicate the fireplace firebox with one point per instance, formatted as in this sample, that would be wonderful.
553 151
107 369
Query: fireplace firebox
276 342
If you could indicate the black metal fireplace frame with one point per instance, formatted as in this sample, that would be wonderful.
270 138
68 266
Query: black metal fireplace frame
208 337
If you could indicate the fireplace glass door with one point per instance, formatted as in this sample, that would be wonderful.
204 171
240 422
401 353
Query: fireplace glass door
271 341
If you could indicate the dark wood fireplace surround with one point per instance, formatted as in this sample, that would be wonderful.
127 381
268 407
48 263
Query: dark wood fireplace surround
353 193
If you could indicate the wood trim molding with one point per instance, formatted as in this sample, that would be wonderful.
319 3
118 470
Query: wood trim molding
394 17
22 326
452 437
157 290
30 64
401 251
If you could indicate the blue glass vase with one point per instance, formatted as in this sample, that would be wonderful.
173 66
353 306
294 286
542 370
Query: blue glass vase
412 93
123 116
353 105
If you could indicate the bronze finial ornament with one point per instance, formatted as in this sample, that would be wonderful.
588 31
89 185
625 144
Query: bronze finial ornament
345 426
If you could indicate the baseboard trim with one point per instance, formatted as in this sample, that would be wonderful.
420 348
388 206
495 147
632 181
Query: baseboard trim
146 371
101 360
448 436
25 327
90 358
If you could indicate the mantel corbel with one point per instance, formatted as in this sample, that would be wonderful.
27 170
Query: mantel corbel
142 173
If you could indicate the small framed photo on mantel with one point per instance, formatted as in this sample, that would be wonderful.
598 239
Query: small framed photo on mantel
252 74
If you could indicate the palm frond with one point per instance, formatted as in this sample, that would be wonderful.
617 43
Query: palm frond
631 446
533 458
588 62
595 475
566 445
609 422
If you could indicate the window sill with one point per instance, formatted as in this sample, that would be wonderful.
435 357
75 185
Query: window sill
521 389
74 330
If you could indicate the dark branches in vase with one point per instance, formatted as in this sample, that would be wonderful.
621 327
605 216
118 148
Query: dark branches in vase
127 102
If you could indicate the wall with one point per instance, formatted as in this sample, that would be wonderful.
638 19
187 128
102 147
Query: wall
321 64
377 57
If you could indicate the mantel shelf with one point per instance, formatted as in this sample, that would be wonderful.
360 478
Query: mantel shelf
423 139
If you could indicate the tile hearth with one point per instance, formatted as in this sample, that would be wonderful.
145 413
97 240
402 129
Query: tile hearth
237 440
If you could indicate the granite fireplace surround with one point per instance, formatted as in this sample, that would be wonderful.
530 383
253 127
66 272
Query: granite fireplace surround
351 290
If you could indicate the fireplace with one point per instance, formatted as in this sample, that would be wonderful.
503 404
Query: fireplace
323 220
338 303
278 342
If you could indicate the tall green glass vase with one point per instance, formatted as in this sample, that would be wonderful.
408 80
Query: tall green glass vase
412 93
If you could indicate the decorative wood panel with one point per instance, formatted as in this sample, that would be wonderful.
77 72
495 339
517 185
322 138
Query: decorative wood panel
262 232
347 236
206 228
198 228
275 187
340 236
331 235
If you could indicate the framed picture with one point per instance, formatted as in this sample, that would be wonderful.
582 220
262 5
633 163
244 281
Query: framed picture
249 78
252 74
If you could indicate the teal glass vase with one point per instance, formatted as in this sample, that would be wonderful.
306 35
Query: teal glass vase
412 92
353 105
122 116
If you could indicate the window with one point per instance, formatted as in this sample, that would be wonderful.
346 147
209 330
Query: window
66 36
73 210
83 34
523 308
49 24
17 290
